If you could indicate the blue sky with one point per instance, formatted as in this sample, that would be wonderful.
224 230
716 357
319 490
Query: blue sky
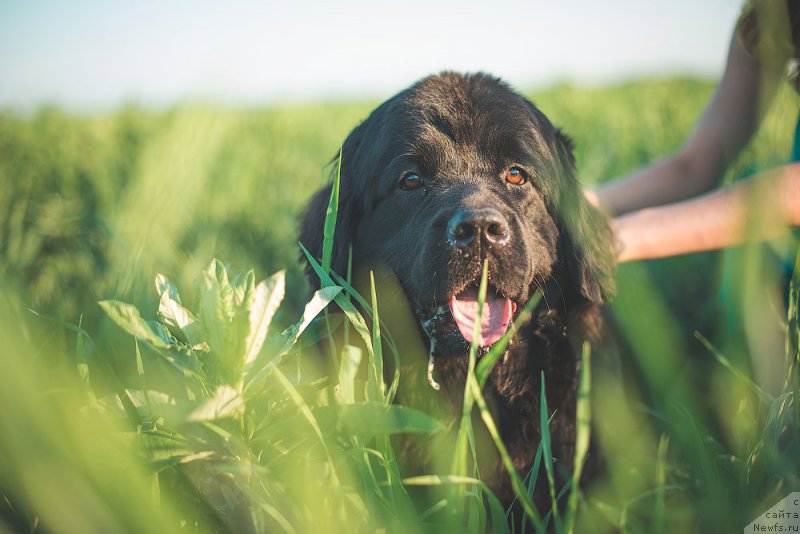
102 53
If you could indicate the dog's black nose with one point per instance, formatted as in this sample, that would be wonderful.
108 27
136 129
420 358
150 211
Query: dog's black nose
469 227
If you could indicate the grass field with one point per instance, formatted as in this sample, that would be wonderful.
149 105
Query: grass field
206 423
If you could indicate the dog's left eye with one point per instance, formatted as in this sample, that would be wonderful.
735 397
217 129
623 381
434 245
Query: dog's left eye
410 182
516 176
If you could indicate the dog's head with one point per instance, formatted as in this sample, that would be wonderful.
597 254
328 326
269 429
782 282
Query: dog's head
452 171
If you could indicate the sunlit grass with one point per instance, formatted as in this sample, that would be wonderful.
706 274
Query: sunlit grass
245 437
204 406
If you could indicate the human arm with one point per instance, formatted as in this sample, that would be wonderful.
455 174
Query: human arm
729 121
755 209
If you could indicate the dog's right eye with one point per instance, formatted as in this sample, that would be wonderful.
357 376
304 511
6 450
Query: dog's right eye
516 176
410 182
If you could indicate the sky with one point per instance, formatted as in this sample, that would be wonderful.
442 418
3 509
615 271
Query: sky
105 53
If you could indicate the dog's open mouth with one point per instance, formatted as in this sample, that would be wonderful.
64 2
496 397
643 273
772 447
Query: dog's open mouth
494 320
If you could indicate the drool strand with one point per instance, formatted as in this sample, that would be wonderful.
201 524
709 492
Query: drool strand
434 384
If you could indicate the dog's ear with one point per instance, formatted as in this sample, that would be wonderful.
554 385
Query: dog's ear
312 225
586 252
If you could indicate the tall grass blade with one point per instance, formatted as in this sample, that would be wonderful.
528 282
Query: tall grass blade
487 363
348 288
376 357
348 368
459 465
516 481
547 453
142 376
385 334
793 328
661 482
308 415
583 432
763 395
533 477
82 352
441 480
330 217
347 307
497 514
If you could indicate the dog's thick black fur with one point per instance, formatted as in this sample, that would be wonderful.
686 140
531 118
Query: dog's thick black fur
449 172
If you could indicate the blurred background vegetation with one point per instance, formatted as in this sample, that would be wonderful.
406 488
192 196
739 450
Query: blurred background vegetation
91 207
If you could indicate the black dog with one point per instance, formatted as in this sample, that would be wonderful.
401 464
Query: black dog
452 171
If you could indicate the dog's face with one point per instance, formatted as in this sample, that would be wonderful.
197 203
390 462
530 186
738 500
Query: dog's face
449 173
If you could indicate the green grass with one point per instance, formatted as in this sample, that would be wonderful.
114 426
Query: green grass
203 406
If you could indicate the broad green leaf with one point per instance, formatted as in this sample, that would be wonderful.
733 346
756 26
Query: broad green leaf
180 459
261 366
225 324
142 398
177 317
128 318
225 402
143 401
318 302
216 305
267 296
243 286
235 343
162 445
152 333
163 285
163 333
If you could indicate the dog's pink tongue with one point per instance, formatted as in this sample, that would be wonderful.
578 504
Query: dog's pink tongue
495 316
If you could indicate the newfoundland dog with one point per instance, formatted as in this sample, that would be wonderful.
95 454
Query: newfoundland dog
452 171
